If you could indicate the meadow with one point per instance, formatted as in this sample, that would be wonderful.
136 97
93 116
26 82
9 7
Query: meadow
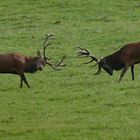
71 104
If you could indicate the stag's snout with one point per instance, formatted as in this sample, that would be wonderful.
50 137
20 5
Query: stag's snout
103 63
40 64
40 68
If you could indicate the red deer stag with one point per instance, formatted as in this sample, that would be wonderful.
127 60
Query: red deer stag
16 63
126 57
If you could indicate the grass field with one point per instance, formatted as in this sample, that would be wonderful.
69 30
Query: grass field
72 104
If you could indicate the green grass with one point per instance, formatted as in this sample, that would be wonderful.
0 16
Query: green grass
72 104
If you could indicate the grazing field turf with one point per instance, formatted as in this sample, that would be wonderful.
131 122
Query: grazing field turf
71 104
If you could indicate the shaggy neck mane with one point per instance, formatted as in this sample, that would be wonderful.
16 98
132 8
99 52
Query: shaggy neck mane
29 59
30 64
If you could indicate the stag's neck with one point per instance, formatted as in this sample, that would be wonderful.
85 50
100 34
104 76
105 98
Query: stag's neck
114 61
30 66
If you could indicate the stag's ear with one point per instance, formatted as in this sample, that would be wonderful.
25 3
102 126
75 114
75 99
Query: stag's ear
38 53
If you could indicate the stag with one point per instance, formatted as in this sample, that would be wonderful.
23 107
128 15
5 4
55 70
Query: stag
16 63
126 57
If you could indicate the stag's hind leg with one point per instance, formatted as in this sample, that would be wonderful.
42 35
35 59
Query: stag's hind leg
132 72
23 79
123 72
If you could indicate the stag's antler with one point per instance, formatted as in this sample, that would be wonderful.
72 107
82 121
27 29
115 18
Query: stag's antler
56 66
60 64
45 44
85 52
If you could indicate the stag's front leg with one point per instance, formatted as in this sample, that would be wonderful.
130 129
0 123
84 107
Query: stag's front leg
21 83
23 78
132 71
123 72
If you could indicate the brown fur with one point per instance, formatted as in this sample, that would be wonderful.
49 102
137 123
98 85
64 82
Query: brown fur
127 56
16 63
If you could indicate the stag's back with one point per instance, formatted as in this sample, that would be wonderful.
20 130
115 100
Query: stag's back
11 63
130 53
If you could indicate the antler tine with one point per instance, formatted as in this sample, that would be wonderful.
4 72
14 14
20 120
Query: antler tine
52 66
44 52
83 51
99 70
61 62
48 36
55 67
86 53
92 59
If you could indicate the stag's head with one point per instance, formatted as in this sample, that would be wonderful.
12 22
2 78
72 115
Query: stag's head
42 60
39 61
102 62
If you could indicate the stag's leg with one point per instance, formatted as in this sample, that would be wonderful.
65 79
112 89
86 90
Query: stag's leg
123 72
132 71
21 83
23 78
